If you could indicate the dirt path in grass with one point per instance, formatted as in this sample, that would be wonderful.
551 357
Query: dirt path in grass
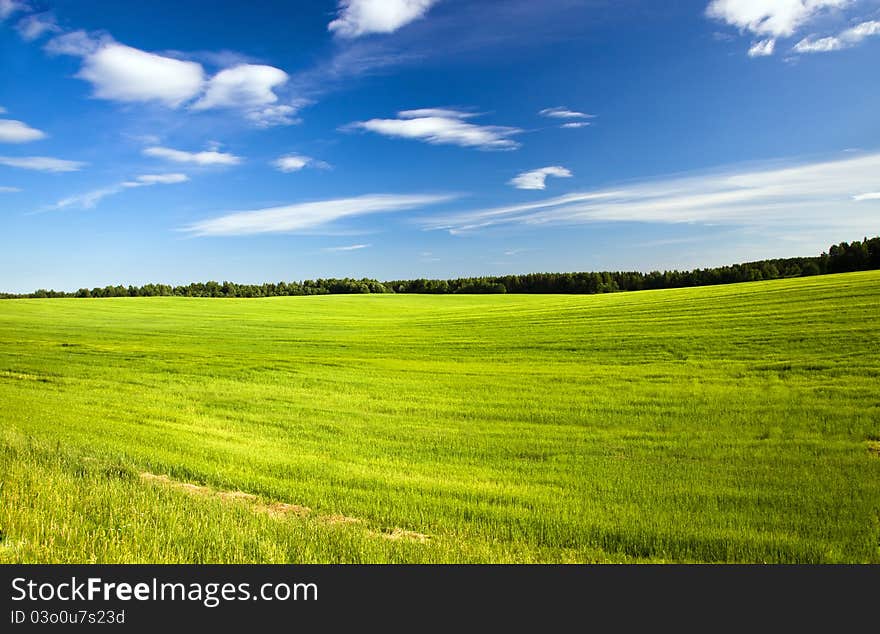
278 510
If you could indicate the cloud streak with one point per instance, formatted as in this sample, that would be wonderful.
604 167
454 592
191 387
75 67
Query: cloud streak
442 126
12 131
819 194
90 200
302 216
42 163
351 247
868 196
206 157
561 112
156 179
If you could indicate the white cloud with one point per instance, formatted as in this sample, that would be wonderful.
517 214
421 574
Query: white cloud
561 112
847 39
762 48
207 157
819 194
536 179
89 200
447 128
352 247
776 18
301 216
861 31
868 196
576 124
448 113
822 45
122 73
243 86
9 190
76 43
8 7
271 116
361 17
251 89
2 110
12 131
35 26
156 179
41 163
296 162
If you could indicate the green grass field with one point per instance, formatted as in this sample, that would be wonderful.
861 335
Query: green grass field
721 424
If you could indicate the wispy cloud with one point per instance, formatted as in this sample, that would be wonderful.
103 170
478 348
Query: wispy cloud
206 157
12 131
156 179
89 200
818 194
442 126
351 247
573 118
8 7
303 216
9 190
537 179
296 162
276 115
846 39
468 28
35 26
77 43
362 17
349 61
42 163
868 196
561 112
762 48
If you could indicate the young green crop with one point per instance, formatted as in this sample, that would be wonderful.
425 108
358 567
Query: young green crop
732 423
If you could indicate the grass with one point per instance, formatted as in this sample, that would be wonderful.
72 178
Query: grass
722 424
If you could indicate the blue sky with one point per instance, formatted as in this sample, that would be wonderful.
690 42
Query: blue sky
187 140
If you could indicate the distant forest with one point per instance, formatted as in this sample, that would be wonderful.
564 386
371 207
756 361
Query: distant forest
840 258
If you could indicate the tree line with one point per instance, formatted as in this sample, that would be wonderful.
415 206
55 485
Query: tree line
840 258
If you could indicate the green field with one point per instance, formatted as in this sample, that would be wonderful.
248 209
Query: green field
726 424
